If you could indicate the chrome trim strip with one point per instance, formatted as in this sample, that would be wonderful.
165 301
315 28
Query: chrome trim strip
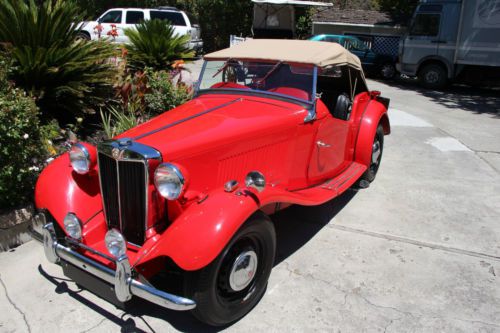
125 286
119 197
312 111
187 118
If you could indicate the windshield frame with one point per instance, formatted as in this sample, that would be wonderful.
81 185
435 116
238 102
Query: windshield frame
306 103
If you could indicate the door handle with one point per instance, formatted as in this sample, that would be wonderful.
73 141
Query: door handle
321 144
438 41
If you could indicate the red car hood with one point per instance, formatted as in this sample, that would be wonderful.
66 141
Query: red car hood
214 119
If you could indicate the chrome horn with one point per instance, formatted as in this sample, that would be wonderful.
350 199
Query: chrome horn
255 180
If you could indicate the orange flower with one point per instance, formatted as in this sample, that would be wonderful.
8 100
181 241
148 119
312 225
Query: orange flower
178 64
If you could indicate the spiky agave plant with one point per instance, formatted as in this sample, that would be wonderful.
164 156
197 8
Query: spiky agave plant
62 72
156 45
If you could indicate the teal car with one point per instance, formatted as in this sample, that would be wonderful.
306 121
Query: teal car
373 63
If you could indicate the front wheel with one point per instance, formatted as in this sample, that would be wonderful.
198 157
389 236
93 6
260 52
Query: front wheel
377 149
230 286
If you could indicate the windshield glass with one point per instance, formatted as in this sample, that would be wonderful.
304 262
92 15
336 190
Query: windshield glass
294 81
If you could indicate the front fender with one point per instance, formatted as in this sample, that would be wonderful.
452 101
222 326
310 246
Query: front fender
61 190
202 231
375 114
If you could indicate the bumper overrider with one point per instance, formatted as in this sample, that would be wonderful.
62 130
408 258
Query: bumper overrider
125 286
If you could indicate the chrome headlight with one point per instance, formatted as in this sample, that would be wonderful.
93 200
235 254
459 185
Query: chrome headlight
80 158
169 181
115 243
73 226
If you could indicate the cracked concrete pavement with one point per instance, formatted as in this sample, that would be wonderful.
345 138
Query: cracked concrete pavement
418 251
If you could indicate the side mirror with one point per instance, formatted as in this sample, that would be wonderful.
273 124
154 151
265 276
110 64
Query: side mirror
342 108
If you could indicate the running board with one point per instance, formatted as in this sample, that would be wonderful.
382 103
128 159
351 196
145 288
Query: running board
346 179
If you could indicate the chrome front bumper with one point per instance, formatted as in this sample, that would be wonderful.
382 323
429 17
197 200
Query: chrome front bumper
124 285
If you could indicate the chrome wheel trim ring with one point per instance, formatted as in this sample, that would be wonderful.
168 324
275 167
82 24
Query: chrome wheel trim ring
243 270
375 151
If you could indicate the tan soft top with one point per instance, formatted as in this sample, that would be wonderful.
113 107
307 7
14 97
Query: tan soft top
299 51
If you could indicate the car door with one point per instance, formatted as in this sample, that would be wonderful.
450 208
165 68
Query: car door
132 18
329 151
423 38
111 24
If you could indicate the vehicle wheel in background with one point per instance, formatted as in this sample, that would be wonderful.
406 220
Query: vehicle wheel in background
433 76
83 35
230 286
388 71
377 149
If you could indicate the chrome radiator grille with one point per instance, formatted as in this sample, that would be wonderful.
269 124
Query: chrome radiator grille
123 189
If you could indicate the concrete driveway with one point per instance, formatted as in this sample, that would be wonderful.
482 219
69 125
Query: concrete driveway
418 251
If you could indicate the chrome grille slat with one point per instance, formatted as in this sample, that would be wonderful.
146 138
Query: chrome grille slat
132 191
124 171
108 175
123 188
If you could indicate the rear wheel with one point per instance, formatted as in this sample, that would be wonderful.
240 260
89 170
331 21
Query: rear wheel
229 287
388 71
376 157
433 76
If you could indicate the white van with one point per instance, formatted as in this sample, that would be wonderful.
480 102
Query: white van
121 18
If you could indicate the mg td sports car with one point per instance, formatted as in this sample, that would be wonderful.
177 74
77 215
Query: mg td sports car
176 211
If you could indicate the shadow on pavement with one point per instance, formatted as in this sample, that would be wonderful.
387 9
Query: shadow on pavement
295 226
473 99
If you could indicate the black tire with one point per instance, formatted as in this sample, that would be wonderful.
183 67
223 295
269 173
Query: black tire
433 76
371 172
217 303
388 71
83 35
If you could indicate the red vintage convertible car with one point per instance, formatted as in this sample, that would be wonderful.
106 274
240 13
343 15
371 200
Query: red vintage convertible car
176 211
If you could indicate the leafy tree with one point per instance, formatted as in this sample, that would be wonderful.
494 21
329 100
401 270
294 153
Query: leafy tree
155 44
61 72
400 10
221 18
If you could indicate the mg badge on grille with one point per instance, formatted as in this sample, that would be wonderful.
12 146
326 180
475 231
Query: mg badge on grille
117 153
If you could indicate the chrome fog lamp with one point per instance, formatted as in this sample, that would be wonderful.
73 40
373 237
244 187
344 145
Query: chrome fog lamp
80 159
255 180
169 181
115 243
72 226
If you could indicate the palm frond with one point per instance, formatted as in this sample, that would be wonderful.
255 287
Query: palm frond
61 72
156 45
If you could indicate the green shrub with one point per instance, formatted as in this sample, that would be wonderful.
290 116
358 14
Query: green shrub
116 120
67 76
155 44
163 94
21 150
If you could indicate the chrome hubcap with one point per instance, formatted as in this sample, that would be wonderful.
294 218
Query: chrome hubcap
375 152
432 77
243 270
387 71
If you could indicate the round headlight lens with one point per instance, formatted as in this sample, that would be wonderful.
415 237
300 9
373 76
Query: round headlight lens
115 243
72 226
80 159
169 181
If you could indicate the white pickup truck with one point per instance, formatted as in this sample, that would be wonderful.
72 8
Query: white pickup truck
120 18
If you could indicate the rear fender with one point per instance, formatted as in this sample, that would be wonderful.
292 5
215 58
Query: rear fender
375 114
202 231
61 190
